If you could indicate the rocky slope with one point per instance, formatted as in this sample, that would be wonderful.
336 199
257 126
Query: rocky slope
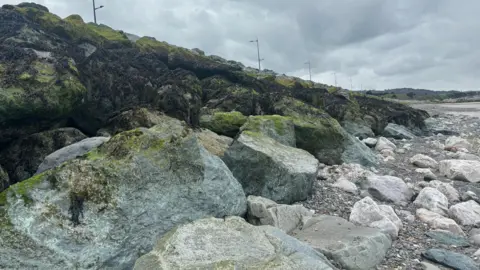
179 142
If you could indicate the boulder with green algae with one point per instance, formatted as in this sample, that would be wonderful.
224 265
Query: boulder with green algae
223 95
279 128
131 119
214 143
270 169
104 210
22 157
321 135
230 243
223 123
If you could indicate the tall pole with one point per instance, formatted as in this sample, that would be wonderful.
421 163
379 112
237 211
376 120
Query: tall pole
258 54
335 75
309 70
351 84
94 12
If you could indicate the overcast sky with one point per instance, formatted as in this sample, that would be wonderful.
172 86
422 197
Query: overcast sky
380 44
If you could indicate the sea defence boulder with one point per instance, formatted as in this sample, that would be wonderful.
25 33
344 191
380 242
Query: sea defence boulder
270 169
230 243
114 201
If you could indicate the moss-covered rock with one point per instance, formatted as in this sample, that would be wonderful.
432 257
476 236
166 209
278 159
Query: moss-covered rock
122 196
279 128
131 119
223 95
214 143
224 123
22 157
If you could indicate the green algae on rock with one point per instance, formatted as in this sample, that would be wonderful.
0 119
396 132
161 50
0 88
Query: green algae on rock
279 128
224 123
138 176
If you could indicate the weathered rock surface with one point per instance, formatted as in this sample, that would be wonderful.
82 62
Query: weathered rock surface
131 119
433 200
214 143
230 243
262 211
223 123
115 200
279 128
447 189
388 189
346 185
352 172
22 157
450 259
466 213
398 132
455 142
462 170
437 221
348 245
70 152
383 143
423 161
358 130
367 213
448 238
270 169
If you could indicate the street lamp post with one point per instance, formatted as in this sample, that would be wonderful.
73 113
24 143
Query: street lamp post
258 53
309 69
95 11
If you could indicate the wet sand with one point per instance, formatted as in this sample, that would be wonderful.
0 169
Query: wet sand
469 108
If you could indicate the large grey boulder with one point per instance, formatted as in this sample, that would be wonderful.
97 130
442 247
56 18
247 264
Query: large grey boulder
462 170
350 246
398 132
70 152
423 161
358 129
270 169
388 189
367 213
466 213
214 143
262 211
104 210
433 200
230 243
279 128
437 221
357 152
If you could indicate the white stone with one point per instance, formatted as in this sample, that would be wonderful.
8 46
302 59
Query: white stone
387 153
370 142
462 170
351 172
455 142
401 151
437 221
423 161
346 185
426 173
433 200
448 190
384 143
388 188
406 215
263 211
438 144
466 213
367 213
464 156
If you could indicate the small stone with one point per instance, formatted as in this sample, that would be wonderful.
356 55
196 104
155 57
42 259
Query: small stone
457 142
384 143
370 142
448 190
423 161
406 215
427 174
429 266
346 185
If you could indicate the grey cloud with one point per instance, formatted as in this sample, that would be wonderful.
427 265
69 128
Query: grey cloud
381 44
